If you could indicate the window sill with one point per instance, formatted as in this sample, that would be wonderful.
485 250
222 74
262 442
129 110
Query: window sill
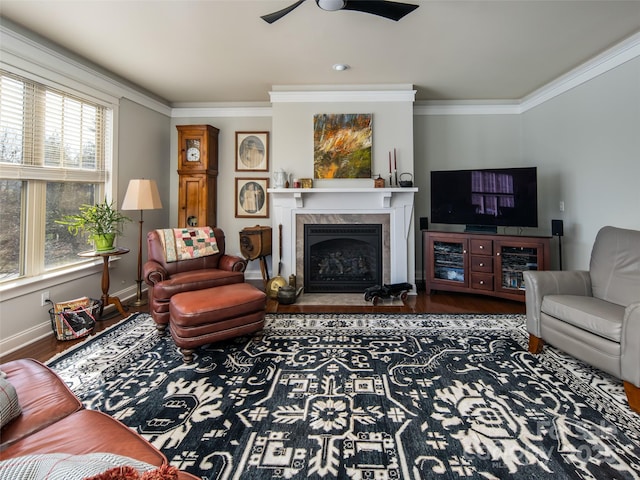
26 286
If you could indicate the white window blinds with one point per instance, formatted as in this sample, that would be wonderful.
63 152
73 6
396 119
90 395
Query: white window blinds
48 134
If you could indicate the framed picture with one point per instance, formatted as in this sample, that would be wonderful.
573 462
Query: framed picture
251 197
342 145
252 151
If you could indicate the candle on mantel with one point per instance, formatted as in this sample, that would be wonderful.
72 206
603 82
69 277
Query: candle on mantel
389 162
395 163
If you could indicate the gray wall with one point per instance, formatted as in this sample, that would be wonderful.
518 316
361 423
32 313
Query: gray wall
143 152
447 142
585 143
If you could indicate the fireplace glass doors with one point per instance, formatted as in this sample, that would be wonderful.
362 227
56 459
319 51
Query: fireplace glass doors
342 258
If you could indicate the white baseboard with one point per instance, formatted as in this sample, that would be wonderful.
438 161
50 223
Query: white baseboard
24 338
43 330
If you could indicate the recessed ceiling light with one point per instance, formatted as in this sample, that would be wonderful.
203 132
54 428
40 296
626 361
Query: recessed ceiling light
340 67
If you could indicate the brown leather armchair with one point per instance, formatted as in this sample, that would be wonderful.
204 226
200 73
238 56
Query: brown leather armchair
165 279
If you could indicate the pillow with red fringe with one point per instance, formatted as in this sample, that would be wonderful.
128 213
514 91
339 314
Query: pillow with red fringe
165 472
92 466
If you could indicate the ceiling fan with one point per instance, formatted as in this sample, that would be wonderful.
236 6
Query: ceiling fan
391 10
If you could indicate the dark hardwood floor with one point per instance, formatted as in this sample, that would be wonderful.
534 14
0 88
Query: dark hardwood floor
46 348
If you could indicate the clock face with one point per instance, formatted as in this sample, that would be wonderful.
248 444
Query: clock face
193 154
193 150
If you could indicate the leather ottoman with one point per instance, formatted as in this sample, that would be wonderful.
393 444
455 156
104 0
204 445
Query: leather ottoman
206 316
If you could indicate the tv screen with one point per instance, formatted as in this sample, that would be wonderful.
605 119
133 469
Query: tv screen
485 197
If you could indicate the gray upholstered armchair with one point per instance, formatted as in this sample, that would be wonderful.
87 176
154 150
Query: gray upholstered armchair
593 315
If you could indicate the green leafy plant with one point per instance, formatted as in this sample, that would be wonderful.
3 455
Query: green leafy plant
99 219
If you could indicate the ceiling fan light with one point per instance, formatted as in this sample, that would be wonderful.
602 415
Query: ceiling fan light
331 5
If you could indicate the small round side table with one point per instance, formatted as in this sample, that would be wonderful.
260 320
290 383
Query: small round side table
106 298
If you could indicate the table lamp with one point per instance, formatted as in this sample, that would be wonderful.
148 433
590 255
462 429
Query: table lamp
142 194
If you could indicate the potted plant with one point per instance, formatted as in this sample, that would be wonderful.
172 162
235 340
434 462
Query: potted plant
101 222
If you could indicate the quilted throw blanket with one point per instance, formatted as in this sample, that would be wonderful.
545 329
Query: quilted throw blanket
187 243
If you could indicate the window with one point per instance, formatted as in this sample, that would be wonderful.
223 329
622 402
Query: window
55 152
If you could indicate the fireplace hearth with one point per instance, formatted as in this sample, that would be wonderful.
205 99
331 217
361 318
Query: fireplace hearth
342 258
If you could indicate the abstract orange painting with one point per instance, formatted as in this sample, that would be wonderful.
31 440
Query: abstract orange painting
342 145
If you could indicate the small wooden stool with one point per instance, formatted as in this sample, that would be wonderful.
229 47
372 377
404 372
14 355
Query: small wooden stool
206 316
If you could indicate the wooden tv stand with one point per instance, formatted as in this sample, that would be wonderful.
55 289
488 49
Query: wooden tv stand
487 264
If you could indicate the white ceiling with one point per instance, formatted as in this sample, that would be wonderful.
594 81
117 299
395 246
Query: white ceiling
201 51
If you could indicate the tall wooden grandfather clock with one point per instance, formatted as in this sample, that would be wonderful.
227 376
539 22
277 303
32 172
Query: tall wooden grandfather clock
197 174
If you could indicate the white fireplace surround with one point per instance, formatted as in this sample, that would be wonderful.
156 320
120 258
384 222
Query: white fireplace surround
328 205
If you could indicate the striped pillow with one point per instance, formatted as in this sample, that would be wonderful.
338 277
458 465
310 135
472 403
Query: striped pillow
9 406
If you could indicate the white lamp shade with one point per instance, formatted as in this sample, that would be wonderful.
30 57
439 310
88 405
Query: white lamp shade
142 194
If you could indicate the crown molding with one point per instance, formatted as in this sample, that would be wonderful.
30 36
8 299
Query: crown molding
32 58
221 110
619 54
471 107
343 94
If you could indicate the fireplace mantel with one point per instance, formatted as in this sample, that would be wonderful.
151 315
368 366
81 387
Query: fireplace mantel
396 203
383 195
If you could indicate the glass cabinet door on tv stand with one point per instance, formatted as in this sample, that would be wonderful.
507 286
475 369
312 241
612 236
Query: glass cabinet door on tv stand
447 261
512 260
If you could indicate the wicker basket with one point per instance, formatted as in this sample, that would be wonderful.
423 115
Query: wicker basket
72 323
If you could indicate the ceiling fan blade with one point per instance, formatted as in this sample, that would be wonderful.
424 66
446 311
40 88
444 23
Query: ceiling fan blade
272 17
391 10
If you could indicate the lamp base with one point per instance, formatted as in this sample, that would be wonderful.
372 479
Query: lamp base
139 301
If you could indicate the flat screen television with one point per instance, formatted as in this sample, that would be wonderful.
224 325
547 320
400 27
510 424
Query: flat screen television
485 199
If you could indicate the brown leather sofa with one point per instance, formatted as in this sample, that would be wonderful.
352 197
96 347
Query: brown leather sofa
166 279
53 420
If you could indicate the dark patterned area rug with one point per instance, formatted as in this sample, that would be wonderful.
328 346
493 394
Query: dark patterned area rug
334 396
